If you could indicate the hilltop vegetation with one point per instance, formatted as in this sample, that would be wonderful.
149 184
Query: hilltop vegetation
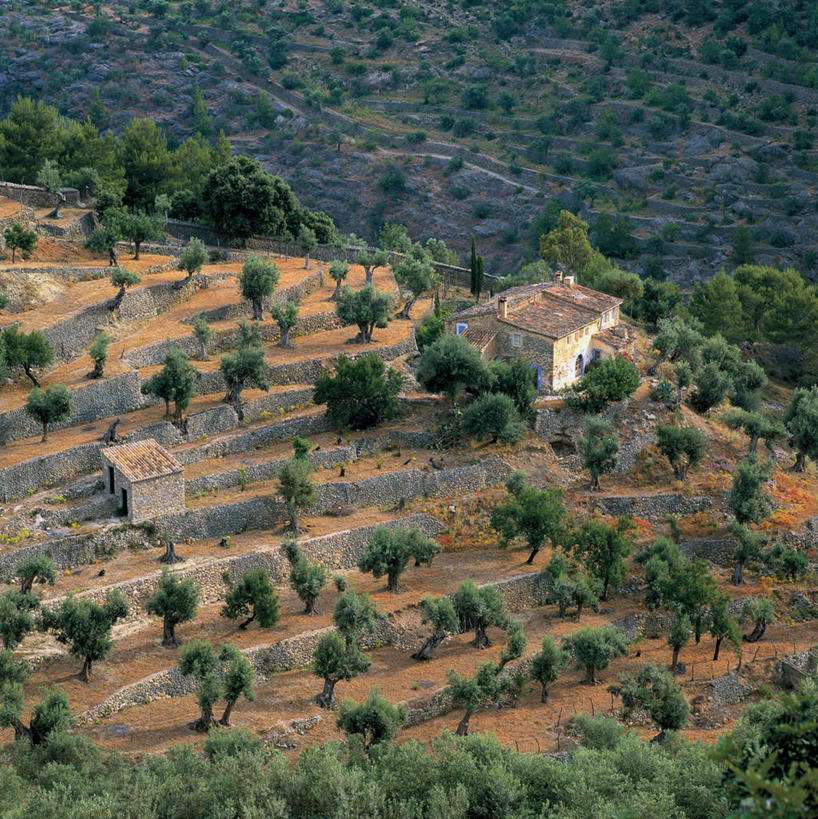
683 132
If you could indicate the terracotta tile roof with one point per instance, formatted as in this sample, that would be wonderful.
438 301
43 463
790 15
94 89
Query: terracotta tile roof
142 460
479 338
490 306
617 337
552 317
583 296
559 308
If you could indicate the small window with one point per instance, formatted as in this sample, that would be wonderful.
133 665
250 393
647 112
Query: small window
516 340
460 328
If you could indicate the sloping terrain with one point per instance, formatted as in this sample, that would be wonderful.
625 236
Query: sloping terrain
684 135
54 502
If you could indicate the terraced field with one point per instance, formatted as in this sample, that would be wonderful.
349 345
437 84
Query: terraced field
54 502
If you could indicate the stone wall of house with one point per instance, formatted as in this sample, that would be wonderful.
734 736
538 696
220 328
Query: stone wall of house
567 364
537 350
159 496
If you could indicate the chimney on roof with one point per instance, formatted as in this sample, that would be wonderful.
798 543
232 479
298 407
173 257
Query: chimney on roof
558 276
569 280
502 307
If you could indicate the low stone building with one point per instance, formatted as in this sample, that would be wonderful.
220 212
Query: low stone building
148 480
559 327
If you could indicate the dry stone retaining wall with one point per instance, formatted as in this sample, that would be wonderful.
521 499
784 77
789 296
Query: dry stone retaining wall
265 512
563 428
77 550
286 655
337 551
225 340
97 399
652 506
37 197
27 477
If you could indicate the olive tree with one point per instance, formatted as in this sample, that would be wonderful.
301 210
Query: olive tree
123 279
547 665
602 548
16 616
760 612
285 314
684 447
27 351
307 578
338 270
595 647
599 448
252 597
391 548
47 717
258 280
451 365
655 691
49 406
35 569
538 515
175 601
366 308
756 426
244 369
193 257
415 276
478 609
297 488
801 421
493 416
440 614
85 627
224 674
374 721
19 237
99 354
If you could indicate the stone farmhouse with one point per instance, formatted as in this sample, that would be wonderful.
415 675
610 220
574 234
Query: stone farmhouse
149 481
559 327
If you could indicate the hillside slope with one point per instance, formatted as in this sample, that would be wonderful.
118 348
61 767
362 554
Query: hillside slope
669 126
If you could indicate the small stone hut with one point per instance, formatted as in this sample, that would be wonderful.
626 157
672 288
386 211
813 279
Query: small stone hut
148 480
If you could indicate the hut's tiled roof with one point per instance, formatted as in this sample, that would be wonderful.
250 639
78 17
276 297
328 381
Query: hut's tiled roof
142 460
